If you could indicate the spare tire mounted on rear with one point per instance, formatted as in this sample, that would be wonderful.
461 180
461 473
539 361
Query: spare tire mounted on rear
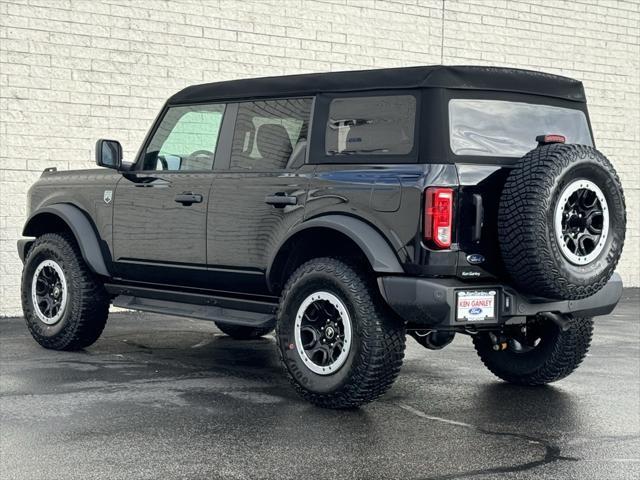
562 221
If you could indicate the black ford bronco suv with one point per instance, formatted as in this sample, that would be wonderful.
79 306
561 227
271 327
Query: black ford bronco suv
345 210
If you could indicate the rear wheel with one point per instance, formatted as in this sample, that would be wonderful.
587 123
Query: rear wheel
65 305
339 343
539 353
241 332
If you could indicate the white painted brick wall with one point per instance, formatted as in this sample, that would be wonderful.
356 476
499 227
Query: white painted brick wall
72 71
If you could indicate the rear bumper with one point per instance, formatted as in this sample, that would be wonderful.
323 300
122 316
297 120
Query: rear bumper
432 301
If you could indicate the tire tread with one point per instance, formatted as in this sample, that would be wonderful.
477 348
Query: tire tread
89 305
523 225
568 352
383 338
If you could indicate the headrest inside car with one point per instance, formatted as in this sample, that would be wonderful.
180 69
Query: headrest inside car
273 142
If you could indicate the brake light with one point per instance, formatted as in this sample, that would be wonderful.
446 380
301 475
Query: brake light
438 216
547 139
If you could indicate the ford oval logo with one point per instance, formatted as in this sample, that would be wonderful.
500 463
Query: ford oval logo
475 258
475 311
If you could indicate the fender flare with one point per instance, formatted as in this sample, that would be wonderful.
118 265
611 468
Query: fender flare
80 226
381 256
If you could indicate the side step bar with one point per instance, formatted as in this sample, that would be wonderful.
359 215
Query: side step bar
234 311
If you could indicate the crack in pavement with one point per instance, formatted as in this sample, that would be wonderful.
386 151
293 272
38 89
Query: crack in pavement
552 451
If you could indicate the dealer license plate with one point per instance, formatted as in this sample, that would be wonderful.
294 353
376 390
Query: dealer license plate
476 306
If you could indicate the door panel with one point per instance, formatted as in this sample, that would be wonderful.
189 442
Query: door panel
259 193
243 230
160 208
151 227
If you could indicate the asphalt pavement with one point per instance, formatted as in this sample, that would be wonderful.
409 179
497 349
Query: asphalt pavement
163 397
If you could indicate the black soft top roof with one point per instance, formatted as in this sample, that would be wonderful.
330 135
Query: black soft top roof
456 77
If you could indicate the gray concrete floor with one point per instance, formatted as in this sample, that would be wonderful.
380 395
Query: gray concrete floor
161 397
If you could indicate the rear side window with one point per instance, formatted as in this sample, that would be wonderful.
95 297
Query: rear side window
374 125
509 129
270 135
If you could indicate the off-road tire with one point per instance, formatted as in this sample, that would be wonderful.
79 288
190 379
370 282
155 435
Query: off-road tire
241 332
559 356
87 306
378 342
528 243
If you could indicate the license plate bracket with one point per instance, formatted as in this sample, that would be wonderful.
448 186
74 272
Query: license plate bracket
476 305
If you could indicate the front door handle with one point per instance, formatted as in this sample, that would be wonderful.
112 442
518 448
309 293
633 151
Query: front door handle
188 198
280 200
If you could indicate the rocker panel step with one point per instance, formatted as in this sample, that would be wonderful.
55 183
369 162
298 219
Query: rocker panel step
234 311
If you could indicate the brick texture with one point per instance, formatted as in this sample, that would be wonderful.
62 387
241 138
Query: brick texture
72 71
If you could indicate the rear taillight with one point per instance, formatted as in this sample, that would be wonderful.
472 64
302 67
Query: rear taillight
438 216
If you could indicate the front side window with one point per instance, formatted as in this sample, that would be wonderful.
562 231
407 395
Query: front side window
186 139
374 125
509 129
270 134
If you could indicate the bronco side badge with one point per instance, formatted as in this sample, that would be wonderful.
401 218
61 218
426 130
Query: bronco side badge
108 195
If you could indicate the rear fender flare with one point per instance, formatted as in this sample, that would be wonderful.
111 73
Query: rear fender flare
379 253
81 227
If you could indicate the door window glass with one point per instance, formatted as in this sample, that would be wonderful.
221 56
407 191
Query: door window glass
186 139
376 125
269 135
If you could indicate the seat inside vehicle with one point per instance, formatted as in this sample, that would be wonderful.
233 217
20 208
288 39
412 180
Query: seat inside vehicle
274 145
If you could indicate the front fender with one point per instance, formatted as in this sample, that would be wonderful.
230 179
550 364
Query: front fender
81 227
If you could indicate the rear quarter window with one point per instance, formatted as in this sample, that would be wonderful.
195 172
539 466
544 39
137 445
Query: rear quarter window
508 129
381 125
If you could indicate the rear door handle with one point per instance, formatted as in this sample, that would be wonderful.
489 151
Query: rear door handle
280 200
188 198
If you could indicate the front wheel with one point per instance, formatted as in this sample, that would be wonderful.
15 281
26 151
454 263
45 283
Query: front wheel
340 345
538 353
65 304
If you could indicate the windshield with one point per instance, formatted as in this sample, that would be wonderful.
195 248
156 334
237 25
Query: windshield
509 129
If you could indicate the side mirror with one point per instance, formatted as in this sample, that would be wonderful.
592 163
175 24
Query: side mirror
109 154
